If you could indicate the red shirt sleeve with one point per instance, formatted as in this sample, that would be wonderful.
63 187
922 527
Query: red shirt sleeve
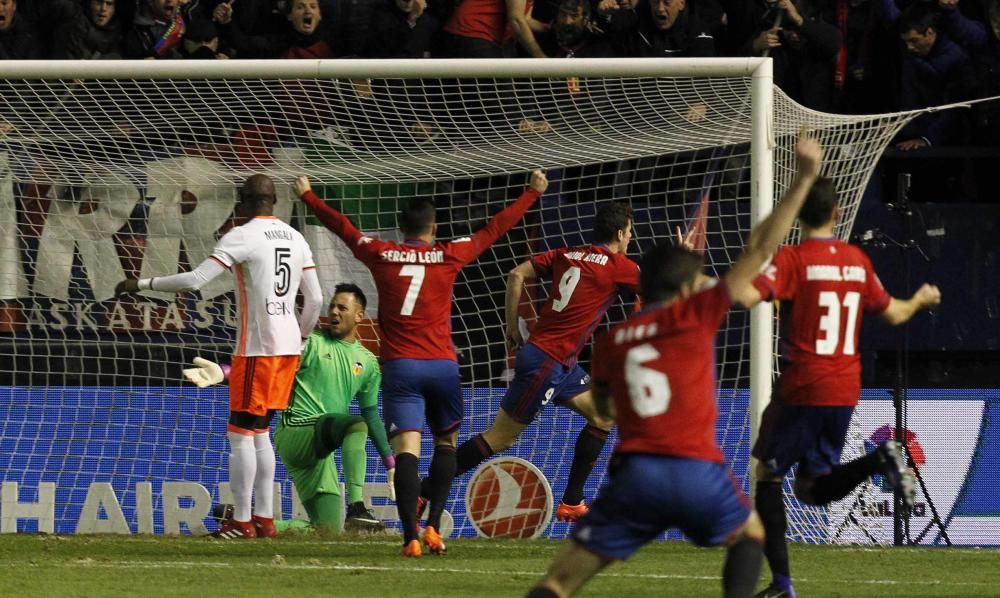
779 279
627 274
543 263
876 297
467 251
364 248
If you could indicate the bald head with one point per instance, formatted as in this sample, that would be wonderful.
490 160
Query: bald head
257 195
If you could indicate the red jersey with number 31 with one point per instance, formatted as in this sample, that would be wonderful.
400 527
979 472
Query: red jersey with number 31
585 281
823 284
659 368
416 280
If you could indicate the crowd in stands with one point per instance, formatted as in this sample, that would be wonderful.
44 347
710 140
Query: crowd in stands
851 56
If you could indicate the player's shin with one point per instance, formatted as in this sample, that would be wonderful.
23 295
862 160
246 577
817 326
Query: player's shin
742 568
842 480
471 453
770 505
242 471
440 478
407 488
263 482
355 461
589 445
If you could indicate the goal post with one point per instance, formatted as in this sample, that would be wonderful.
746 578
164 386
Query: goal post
130 168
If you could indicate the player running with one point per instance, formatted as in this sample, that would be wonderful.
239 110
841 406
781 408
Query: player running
823 284
334 370
271 260
657 371
585 282
415 281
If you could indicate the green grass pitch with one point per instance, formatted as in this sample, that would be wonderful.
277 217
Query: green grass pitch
41 565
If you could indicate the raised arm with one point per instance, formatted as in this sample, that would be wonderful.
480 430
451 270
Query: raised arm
515 285
770 232
504 221
332 219
901 310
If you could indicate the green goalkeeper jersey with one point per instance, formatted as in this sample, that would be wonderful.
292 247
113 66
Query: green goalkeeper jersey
331 374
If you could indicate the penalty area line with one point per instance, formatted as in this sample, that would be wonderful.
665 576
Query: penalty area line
90 563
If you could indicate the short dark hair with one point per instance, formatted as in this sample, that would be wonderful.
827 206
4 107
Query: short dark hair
820 203
918 17
610 219
350 287
417 216
573 6
258 188
664 269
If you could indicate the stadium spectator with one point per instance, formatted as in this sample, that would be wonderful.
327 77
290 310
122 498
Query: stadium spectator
18 40
303 33
822 284
655 375
334 371
484 28
201 41
415 281
158 29
667 28
401 29
936 70
96 33
585 281
272 262
576 34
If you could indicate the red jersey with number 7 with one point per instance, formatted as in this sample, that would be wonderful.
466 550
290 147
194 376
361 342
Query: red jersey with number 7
659 368
585 281
823 285
415 280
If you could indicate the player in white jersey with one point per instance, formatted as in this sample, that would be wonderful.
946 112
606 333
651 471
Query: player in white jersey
271 260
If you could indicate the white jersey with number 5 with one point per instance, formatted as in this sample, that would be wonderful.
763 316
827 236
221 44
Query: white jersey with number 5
268 257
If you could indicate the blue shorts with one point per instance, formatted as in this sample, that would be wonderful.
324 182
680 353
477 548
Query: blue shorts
648 494
414 388
810 436
538 381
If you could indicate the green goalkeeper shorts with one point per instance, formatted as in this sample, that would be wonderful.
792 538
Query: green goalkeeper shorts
310 473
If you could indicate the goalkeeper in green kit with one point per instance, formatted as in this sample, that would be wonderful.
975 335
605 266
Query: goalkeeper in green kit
334 369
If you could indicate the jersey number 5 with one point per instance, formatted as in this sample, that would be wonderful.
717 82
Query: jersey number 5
416 274
648 389
282 271
829 322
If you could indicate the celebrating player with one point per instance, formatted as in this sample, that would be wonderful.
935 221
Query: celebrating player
270 260
334 370
585 281
658 369
823 285
415 281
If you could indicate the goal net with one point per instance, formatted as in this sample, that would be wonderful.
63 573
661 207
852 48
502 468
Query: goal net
111 169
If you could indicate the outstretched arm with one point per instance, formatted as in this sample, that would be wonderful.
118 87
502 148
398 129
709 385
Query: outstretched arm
901 310
332 219
770 232
504 221
515 285
206 271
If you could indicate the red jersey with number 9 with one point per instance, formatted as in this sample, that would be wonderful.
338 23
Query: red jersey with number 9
659 368
823 284
585 280
415 280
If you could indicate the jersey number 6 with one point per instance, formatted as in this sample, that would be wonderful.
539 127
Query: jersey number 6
648 389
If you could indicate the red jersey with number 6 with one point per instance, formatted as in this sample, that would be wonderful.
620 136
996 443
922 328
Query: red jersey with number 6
659 368
823 285
415 280
585 280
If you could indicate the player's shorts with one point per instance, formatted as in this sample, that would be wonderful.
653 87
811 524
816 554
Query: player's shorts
312 469
649 494
810 436
538 381
263 383
415 388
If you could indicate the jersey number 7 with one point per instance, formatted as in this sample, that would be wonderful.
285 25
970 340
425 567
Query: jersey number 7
416 274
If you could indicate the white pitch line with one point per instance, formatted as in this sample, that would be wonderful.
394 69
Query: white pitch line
87 563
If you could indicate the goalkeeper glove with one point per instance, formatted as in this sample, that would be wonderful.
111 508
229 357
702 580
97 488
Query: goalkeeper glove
390 473
207 373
